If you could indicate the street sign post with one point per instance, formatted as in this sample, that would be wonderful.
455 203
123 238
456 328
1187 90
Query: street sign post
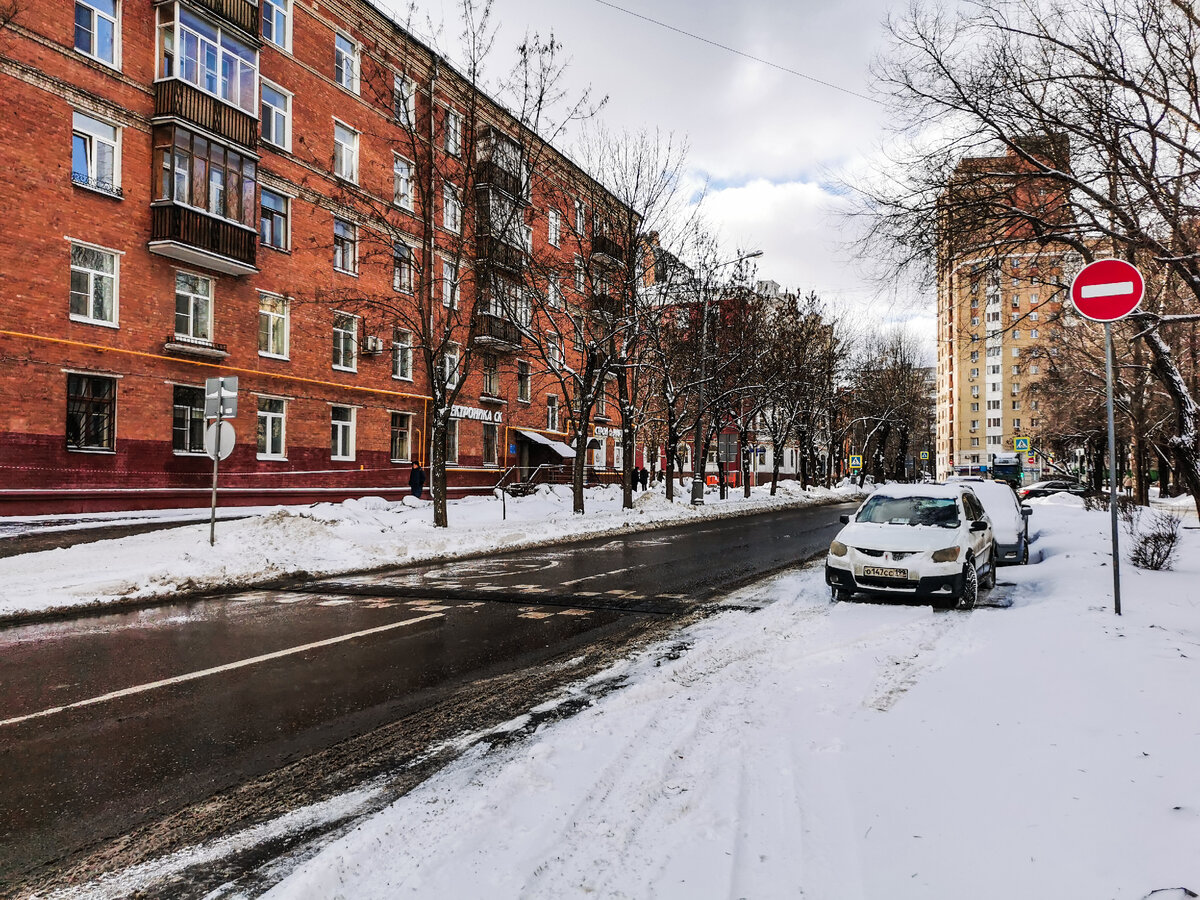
855 462
1108 290
1021 444
220 403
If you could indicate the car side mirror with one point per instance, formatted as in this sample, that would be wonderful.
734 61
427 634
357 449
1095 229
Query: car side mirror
1027 511
844 519
981 525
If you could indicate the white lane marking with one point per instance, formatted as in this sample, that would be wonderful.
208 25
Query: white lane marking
602 575
1115 289
216 670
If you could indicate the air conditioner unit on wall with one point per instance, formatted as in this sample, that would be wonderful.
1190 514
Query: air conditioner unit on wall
373 344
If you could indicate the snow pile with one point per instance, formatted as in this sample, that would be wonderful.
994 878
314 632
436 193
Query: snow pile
336 538
852 751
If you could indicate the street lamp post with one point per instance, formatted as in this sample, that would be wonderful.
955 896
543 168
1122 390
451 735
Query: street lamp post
699 463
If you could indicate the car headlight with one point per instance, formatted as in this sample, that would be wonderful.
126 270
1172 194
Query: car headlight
837 548
950 554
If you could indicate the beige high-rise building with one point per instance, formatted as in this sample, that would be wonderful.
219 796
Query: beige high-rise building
998 290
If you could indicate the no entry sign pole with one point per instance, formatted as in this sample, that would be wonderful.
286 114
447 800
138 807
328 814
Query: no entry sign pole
1107 291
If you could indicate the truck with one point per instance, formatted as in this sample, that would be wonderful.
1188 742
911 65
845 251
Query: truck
1007 467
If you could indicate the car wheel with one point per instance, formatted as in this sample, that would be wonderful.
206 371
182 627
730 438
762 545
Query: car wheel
1025 553
989 580
970 588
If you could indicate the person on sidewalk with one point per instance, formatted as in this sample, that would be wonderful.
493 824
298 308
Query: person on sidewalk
644 477
416 480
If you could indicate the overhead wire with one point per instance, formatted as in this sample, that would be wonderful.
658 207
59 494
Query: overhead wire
742 53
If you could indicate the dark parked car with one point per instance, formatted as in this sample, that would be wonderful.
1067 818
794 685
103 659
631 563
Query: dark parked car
1046 488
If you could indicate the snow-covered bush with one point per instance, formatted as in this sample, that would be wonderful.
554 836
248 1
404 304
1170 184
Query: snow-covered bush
1155 545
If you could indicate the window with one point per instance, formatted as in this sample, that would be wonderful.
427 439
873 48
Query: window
554 227
524 382
187 422
452 441
273 220
491 444
974 373
602 403
1016 370
272 326
450 368
993 370
276 25
600 453
1016 334
1033 317
553 291
1016 301
345 342
1033 370
491 375
404 98
551 412
974 424
345 247
618 456
270 428
402 192
580 217
451 209
1016 404
1016 389
402 268
974 320
95 154
974 442
580 275
96 31
200 173
91 412
974 390
193 306
1033 299
401 437
1016 351
994 422
345 152
205 55
449 284
974 407
453 133
276 114
993 404
554 350
402 355
93 285
341 432
1034 334
345 62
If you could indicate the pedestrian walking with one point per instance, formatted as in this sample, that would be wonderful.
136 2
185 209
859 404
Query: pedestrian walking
1127 484
416 480
644 477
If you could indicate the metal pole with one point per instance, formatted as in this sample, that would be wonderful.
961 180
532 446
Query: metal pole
212 519
1112 467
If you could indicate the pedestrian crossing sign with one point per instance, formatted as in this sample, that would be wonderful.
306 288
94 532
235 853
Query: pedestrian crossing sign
856 462
1021 444
924 454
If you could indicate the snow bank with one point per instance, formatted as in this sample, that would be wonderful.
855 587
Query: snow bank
335 538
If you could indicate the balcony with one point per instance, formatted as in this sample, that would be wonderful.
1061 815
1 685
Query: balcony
182 345
199 239
602 245
242 13
492 176
501 254
606 306
178 99
493 329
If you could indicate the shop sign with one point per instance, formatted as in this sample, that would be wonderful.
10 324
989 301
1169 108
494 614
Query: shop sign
476 414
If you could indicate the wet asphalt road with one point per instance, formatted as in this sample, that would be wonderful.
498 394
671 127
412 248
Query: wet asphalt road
112 721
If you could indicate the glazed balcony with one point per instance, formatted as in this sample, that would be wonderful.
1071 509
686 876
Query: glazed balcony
178 99
199 239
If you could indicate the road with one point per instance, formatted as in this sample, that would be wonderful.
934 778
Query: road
112 723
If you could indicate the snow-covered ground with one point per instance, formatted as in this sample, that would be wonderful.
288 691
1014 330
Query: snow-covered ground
335 538
846 752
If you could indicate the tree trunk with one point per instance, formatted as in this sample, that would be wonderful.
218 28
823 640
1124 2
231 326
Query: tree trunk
437 472
628 448
1187 414
578 465
672 450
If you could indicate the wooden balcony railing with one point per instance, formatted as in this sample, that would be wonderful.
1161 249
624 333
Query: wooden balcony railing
491 176
491 329
207 240
602 245
242 13
178 98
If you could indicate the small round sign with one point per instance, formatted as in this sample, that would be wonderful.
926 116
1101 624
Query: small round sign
227 439
1107 290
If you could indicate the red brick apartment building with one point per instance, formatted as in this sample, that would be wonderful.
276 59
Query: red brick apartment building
176 177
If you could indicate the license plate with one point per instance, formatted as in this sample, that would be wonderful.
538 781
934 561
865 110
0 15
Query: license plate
878 572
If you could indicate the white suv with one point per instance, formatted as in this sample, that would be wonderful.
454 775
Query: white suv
924 540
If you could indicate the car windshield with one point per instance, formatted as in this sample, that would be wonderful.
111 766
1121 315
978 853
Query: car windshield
939 511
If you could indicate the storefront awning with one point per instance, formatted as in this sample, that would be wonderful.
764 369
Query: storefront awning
557 446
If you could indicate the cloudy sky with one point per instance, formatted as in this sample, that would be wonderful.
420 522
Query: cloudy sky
769 144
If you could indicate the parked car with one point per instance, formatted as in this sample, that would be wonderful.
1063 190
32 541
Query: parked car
927 540
1010 521
1046 488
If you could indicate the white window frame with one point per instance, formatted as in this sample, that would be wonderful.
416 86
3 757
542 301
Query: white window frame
402 182
345 154
552 412
270 416
342 433
82 125
402 351
97 15
402 267
408 436
192 318
87 318
450 361
450 295
171 41
453 132
404 101
452 442
287 219
554 291
282 10
580 275
580 217
270 317
554 227
353 243
349 60
451 208
600 453
277 115
345 342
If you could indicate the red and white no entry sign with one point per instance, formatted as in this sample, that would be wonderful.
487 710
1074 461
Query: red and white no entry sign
1107 290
